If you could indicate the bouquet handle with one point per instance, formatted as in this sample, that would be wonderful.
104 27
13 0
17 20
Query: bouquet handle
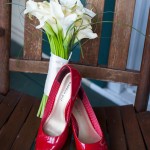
55 65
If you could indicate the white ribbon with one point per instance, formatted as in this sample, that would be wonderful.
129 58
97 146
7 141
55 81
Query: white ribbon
55 65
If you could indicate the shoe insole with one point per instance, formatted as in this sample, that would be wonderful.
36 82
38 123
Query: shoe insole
56 122
87 133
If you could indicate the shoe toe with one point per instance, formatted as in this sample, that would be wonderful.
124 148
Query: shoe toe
46 142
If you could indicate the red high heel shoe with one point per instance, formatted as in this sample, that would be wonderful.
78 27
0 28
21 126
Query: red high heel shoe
53 130
87 132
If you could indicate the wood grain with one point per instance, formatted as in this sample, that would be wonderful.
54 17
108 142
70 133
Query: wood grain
144 122
28 66
32 39
91 47
101 116
123 17
99 73
102 119
9 132
7 106
131 127
29 130
5 26
115 129
142 95
1 98
120 125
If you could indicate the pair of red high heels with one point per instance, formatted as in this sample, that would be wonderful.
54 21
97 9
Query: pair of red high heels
68 102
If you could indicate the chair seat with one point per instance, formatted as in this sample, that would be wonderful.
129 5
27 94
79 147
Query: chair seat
18 121
123 128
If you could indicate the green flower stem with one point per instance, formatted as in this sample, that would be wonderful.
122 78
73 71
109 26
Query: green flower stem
42 106
56 42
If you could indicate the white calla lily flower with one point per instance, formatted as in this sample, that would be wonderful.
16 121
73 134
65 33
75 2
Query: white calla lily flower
30 6
39 10
68 3
56 10
79 4
67 21
89 12
86 33
63 19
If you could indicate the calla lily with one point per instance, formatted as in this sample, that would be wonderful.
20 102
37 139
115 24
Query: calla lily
56 10
62 20
40 11
68 3
86 33
79 4
67 22
89 12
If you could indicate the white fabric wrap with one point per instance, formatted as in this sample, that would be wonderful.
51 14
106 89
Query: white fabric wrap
55 65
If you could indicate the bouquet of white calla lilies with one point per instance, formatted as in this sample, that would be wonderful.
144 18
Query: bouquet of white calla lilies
65 22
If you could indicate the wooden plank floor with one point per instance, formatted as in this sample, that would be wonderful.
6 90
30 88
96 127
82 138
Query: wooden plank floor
18 122
123 129
19 125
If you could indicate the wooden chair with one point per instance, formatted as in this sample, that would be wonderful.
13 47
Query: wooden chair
125 127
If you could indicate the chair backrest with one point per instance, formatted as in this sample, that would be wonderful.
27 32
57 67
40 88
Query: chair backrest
88 67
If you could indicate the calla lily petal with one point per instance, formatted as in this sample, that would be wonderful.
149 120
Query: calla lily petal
86 33
89 12
68 21
56 10
30 6
79 4
68 3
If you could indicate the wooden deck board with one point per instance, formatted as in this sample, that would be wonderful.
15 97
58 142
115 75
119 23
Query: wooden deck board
20 125
101 116
10 130
144 121
1 98
131 127
115 129
29 130
7 106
